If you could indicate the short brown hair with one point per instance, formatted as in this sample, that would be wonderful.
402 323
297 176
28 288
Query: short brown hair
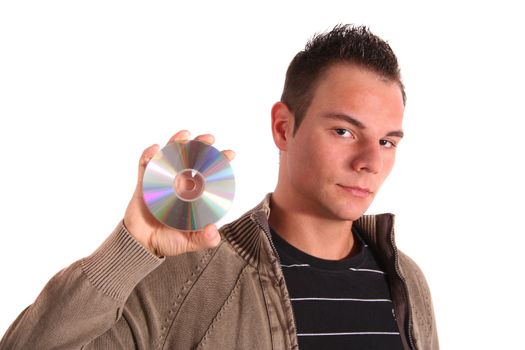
344 43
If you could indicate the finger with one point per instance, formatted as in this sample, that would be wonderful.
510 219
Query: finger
210 236
147 154
206 138
181 136
229 154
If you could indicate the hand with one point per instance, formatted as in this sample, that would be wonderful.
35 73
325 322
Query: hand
158 238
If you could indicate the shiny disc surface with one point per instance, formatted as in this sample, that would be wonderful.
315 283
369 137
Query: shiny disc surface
188 185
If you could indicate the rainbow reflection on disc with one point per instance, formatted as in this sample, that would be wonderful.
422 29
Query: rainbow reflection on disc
188 185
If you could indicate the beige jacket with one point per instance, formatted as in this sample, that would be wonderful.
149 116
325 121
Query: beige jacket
231 297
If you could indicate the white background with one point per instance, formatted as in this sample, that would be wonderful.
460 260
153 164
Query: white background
86 86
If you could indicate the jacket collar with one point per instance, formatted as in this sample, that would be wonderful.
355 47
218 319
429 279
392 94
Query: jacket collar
246 233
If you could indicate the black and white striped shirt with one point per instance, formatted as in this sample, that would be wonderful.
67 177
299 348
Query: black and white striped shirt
343 304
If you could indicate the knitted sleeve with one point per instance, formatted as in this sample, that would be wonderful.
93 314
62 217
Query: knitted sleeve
85 299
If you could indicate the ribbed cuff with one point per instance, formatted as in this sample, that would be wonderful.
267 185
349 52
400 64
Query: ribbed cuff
119 264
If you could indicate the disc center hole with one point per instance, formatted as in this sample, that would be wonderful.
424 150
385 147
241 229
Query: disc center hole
189 185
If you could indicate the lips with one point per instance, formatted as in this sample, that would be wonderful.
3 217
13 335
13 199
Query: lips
357 191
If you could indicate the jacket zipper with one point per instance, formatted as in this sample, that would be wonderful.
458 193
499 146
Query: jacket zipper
405 288
269 236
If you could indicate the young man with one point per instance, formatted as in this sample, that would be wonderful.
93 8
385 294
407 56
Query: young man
303 269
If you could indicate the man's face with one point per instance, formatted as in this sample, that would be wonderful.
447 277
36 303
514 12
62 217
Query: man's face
346 144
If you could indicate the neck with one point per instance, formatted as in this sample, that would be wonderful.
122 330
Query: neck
313 234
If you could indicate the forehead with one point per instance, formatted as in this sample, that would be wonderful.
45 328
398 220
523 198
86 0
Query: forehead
354 90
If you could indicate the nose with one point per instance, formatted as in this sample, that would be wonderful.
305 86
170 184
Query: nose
368 159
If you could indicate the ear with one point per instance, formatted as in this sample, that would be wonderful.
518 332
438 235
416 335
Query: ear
282 125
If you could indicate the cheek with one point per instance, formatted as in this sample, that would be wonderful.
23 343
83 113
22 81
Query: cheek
321 156
388 164
327 164
306 161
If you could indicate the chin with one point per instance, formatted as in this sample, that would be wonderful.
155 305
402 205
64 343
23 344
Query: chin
353 217
344 209
352 214
349 215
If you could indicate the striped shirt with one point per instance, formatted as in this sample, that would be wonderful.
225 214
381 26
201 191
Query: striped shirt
343 304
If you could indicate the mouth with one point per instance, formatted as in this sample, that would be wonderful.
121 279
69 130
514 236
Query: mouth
357 191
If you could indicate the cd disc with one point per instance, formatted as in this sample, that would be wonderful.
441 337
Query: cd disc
188 185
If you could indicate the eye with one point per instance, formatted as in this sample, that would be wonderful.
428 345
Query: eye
387 144
344 132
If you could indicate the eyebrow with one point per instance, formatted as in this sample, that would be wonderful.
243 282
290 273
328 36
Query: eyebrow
360 125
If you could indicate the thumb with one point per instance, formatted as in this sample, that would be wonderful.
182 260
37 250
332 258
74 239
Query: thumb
209 236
